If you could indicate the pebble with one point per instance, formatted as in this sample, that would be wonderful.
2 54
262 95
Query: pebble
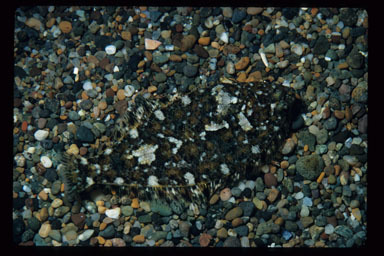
225 194
232 242
227 12
65 27
44 230
187 42
56 203
204 239
204 40
270 180
151 44
242 63
190 71
46 161
139 239
34 23
234 213
110 49
41 135
288 147
222 233
310 166
214 199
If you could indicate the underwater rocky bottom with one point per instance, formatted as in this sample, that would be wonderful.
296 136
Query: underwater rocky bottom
186 146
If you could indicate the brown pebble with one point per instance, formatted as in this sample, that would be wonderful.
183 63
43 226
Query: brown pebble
214 199
139 239
179 28
121 94
126 35
273 194
339 114
41 123
326 113
109 92
43 195
152 88
83 151
270 180
68 104
65 27
348 113
242 63
225 194
205 239
237 222
78 219
175 58
284 164
44 230
102 105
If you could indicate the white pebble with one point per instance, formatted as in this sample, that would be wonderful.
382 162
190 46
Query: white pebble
20 160
329 228
87 85
26 189
297 49
86 235
224 37
110 49
129 90
113 213
159 115
47 163
299 195
41 135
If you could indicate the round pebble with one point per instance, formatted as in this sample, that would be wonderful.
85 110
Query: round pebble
110 49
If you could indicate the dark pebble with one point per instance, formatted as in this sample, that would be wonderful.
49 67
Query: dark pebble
18 226
27 235
330 123
341 136
51 123
47 144
84 134
86 104
248 208
146 218
33 224
108 232
18 203
52 105
232 242
247 192
238 15
190 71
363 124
310 166
200 51
78 219
321 45
242 230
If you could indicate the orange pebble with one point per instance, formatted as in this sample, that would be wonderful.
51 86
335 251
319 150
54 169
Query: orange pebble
135 203
306 148
24 126
320 178
337 170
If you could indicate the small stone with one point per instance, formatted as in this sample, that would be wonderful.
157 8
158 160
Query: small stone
242 63
234 213
190 71
160 77
118 242
151 44
73 150
204 239
121 94
270 180
41 135
34 23
44 230
47 163
329 229
166 34
110 49
175 58
356 213
225 194
126 35
222 233
306 221
288 146
214 199
284 164
339 114
56 203
230 68
127 210
254 77
139 239
135 203
254 10
43 195
187 42
65 27
273 193
232 241
310 166
227 12
86 234
78 219
41 123
204 40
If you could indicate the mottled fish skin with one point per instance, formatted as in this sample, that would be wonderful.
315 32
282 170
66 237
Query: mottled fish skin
182 155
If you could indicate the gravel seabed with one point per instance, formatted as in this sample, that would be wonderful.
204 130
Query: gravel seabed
73 65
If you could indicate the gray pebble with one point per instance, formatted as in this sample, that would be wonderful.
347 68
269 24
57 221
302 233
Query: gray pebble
160 77
330 123
236 192
190 71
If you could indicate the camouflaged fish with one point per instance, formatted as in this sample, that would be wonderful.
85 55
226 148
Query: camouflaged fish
187 146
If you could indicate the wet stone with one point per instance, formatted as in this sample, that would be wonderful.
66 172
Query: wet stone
310 166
